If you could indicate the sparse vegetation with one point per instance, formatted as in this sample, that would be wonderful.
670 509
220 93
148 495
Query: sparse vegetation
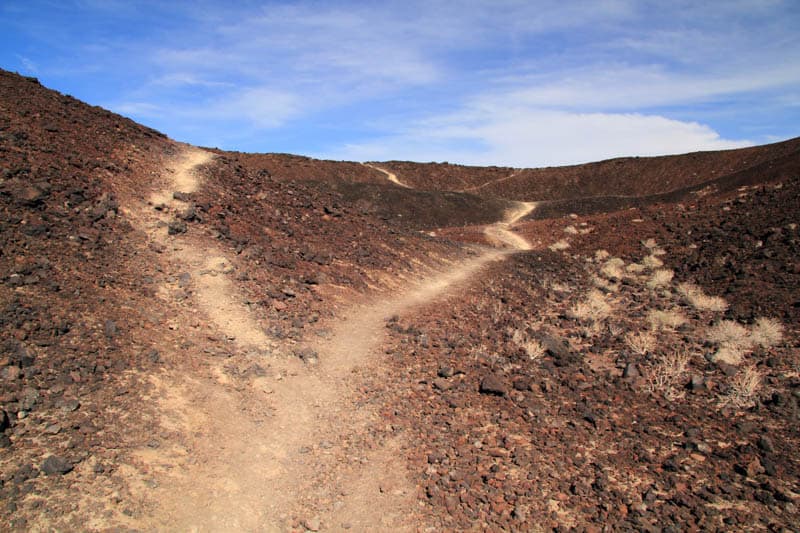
604 284
635 268
728 354
641 342
601 255
694 296
730 333
532 347
743 388
767 332
660 278
613 268
652 262
593 308
666 377
670 319
559 246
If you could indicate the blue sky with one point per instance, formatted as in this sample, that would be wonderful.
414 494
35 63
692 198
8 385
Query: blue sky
516 83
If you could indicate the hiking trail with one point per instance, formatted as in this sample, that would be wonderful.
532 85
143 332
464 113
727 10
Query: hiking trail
389 175
250 451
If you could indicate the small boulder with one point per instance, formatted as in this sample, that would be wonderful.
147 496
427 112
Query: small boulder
631 371
55 465
765 444
445 371
176 226
697 382
308 355
441 384
189 213
492 384
312 524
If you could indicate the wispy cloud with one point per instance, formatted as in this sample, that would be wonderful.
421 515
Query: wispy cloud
526 137
502 81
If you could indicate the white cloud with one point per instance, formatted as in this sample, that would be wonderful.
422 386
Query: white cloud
259 107
137 109
29 65
531 83
533 138
624 87
262 107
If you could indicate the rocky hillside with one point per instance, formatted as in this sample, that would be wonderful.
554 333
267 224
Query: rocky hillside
203 339
627 177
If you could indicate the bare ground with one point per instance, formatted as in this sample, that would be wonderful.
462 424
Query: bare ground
260 439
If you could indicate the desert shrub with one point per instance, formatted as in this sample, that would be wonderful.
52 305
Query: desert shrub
744 388
694 296
670 319
767 332
730 333
615 329
593 308
601 255
652 262
660 278
635 268
559 246
604 284
666 377
532 347
641 342
613 268
728 354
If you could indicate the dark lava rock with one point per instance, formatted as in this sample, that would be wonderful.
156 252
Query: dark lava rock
176 226
765 444
110 329
55 465
631 371
445 371
29 195
522 384
308 355
697 382
492 384
4 421
559 350
189 214
441 384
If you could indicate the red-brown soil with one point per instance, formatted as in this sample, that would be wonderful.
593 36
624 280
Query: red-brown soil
627 176
227 341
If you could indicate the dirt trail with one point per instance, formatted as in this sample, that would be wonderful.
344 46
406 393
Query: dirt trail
257 439
500 233
488 183
389 175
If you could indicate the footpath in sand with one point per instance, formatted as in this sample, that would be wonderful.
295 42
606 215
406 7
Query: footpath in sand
391 176
288 444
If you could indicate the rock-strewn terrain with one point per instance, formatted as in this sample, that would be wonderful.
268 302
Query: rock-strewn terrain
246 341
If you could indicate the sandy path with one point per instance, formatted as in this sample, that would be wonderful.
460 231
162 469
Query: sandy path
488 183
249 451
501 234
389 175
